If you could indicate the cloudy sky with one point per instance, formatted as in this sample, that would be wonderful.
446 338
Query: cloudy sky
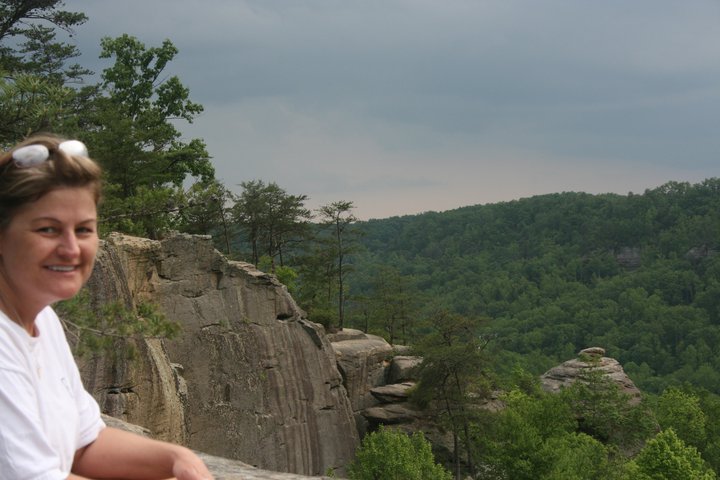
405 106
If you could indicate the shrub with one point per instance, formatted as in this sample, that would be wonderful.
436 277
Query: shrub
392 455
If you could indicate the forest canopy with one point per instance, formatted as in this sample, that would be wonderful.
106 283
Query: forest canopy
636 274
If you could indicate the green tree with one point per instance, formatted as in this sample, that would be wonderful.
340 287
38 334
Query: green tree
606 413
512 447
338 217
666 457
110 327
710 404
28 39
130 130
286 275
207 210
30 104
514 440
34 74
132 123
150 212
392 303
682 412
270 218
315 287
451 370
576 456
392 455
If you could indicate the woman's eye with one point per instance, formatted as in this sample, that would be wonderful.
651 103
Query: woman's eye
47 230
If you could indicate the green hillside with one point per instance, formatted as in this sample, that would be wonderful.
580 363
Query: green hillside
550 275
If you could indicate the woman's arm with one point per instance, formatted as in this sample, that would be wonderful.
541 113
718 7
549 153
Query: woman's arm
122 455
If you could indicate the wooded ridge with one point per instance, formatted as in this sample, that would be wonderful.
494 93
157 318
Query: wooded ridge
549 275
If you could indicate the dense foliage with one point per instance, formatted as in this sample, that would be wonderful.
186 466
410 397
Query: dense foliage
547 436
128 119
636 274
393 455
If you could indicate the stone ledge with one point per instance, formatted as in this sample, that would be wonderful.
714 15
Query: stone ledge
224 469
221 468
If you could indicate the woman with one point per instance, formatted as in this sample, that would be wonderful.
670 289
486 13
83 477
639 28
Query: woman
50 426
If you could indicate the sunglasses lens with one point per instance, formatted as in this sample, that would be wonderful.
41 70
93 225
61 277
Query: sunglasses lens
74 148
30 155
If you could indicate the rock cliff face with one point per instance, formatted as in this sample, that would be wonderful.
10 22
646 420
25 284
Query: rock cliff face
249 378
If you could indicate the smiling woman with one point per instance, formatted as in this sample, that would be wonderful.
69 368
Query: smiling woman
51 428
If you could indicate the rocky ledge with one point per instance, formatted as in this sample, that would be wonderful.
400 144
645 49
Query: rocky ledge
221 468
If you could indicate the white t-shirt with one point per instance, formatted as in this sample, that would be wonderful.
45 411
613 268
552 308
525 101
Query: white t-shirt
45 412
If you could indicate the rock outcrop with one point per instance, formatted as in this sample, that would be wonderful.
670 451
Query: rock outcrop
249 377
628 257
590 359
378 381
362 360
374 377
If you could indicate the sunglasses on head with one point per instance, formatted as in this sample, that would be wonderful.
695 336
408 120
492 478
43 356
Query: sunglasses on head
33 155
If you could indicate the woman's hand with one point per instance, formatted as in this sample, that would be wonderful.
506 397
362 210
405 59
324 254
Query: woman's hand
188 466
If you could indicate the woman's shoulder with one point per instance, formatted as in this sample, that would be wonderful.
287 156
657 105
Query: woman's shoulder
14 345
49 327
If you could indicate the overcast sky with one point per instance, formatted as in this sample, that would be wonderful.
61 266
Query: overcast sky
406 106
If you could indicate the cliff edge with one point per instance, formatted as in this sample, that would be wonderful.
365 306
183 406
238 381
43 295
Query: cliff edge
249 377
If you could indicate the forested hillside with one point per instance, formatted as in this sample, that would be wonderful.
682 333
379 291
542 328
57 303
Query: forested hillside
550 275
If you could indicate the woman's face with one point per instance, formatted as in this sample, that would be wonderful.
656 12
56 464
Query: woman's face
48 249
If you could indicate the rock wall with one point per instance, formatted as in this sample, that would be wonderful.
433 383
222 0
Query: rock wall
249 378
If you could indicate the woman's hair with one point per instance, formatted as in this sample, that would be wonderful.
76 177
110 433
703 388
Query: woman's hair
22 185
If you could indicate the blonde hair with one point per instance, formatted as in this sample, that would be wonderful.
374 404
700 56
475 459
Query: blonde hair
19 186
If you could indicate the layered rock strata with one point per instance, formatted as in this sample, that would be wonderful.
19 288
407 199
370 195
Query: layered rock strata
248 378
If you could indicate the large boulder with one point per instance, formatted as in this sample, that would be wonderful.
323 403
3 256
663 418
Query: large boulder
403 368
588 360
363 360
249 377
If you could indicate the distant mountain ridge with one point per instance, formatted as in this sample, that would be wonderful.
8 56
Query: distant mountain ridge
553 273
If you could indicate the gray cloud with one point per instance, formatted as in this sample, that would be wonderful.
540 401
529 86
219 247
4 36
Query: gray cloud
411 105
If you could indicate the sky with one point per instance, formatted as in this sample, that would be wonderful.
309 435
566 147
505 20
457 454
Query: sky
408 106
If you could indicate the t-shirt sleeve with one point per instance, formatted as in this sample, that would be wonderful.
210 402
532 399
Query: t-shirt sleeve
90 421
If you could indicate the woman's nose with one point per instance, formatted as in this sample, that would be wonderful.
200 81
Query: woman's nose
69 246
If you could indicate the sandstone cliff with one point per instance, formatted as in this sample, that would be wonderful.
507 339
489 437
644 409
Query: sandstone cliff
249 378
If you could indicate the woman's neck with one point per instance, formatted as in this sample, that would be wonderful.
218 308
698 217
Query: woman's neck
25 317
